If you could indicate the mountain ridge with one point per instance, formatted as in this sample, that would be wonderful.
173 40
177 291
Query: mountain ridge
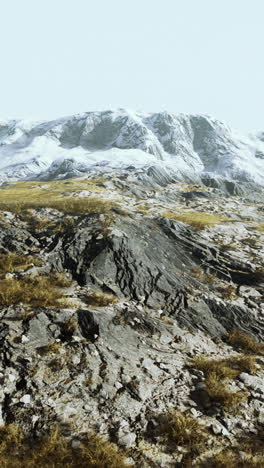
187 146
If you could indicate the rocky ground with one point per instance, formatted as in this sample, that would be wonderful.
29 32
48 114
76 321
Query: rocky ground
145 296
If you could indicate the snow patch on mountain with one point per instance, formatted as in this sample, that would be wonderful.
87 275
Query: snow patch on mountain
185 145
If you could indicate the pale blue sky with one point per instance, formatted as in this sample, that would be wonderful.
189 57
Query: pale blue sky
60 57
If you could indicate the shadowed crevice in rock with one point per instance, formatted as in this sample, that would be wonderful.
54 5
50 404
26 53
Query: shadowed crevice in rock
88 324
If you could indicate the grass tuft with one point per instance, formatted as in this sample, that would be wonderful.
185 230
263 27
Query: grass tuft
11 440
60 280
52 348
242 341
219 392
247 453
70 326
198 220
229 367
99 299
40 291
54 450
228 292
218 373
10 262
199 274
179 429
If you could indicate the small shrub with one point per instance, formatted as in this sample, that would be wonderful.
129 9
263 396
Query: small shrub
226 459
56 365
192 188
198 220
230 246
39 224
241 341
89 381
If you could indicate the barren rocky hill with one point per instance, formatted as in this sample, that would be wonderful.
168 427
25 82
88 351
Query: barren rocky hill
136 313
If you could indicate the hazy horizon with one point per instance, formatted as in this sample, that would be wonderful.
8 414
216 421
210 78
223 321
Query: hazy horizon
67 57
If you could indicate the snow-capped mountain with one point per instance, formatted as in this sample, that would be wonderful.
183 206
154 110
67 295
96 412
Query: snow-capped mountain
185 145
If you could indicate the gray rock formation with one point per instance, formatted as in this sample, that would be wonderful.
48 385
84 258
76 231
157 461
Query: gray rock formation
117 368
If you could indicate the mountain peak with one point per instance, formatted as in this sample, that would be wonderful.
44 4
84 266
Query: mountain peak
186 145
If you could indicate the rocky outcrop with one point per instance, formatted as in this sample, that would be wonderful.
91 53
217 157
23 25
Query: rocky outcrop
116 368
152 263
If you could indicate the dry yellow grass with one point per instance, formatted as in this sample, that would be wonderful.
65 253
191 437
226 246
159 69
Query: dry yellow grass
247 453
37 224
198 220
234 459
219 393
29 190
66 205
59 280
219 372
10 262
55 451
229 367
55 194
99 299
260 228
51 348
179 429
70 325
40 291
199 274
43 224
247 343
228 292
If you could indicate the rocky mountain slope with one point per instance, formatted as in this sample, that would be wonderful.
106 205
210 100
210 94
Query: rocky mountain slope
179 147
137 314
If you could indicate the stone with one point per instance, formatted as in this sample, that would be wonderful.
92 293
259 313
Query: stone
261 416
253 382
25 399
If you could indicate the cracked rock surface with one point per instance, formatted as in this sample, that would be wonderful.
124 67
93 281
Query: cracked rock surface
119 366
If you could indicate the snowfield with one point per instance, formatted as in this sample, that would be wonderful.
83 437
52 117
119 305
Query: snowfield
184 145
